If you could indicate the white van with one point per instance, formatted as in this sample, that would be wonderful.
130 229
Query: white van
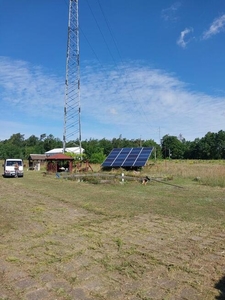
13 167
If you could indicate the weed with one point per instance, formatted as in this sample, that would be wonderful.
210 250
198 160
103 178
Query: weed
119 243
12 259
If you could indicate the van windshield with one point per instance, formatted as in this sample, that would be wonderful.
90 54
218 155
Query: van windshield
13 162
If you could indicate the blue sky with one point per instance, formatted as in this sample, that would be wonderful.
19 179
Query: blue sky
148 68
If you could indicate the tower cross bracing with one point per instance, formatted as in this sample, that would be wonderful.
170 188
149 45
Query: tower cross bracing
72 111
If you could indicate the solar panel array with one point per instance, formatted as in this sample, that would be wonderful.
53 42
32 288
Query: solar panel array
128 157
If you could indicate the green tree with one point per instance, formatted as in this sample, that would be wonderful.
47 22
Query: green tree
207 144
50 142
219 148
172 147
13 147
106 145
32 141
97 157
91 146
17 140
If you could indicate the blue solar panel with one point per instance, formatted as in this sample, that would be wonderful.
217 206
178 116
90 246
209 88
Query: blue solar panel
128 157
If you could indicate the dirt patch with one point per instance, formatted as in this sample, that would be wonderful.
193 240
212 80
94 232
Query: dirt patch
53 249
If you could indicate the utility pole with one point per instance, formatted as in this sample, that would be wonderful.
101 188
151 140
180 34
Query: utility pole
72 111
160 142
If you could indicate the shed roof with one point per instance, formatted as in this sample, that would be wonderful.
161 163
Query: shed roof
59 156
37 156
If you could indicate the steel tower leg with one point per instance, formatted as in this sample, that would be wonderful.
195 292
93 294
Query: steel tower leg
72 110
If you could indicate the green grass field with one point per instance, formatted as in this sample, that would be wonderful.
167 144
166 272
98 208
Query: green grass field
108 239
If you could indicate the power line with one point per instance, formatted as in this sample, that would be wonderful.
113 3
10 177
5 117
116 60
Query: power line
126 82
101 32
115 43
89 44
109 28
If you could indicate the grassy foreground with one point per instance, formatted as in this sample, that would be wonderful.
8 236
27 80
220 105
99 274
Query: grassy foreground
184 190
71 239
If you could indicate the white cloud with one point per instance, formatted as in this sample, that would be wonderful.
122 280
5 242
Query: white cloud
132 100
146 98
113 111
29 89
216 27
182 42
169 14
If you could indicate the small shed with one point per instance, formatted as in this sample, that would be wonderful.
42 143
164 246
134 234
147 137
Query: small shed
35 160
59 162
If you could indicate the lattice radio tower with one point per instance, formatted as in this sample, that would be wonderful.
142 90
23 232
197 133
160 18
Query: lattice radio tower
72 111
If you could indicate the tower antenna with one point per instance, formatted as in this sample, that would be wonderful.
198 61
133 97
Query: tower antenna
72 110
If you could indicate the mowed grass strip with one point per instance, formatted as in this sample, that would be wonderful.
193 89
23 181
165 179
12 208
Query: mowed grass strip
193 201
122 234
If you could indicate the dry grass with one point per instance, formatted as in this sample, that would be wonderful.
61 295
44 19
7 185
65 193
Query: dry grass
182 193
210 173
113 241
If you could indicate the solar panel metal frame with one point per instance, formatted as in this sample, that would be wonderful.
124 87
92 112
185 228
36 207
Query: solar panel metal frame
128 157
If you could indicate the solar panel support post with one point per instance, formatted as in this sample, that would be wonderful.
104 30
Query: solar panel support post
122 177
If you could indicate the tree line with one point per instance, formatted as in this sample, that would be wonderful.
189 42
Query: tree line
211 146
